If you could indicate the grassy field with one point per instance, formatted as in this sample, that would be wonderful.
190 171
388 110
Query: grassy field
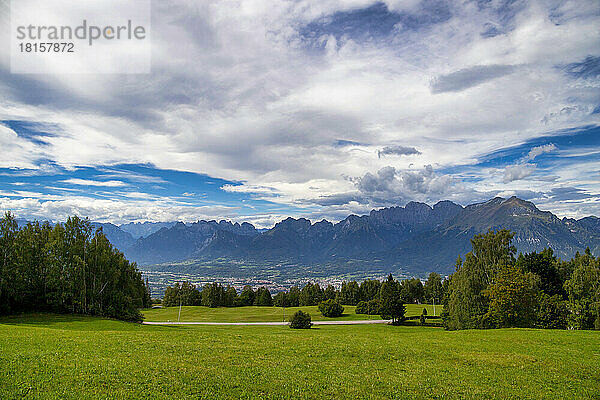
45 356
263 314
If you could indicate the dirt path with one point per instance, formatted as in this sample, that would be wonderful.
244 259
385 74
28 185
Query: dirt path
359 322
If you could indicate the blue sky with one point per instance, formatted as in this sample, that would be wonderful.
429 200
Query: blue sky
258 111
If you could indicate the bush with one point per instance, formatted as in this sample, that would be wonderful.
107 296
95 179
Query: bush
331 308
361 308
300 320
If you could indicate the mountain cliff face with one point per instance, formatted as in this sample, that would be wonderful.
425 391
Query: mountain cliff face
415 238
144 229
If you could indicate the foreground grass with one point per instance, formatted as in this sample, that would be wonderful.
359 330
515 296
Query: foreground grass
49 356
263 314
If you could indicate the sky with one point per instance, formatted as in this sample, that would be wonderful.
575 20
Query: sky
259 110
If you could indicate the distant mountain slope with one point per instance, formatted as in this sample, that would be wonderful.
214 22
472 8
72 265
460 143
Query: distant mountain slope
534 230
144 229
182 241
414 238
120 239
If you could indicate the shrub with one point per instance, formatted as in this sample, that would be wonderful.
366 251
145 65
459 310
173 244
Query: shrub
331 308
300 320
423 314
361 308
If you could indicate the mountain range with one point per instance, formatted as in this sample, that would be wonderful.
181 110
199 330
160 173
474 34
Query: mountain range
416 238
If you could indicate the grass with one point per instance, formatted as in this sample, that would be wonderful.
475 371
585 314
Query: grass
47 356
263 314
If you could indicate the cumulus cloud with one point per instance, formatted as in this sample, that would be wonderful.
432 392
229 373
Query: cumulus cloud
392 186
525 168
398 151
517 172
539 150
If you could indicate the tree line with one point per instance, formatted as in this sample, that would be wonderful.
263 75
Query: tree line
351 293
389 296
67 268
491 288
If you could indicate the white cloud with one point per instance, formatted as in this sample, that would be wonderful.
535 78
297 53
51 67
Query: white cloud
517 172
539 150
236 95
89 182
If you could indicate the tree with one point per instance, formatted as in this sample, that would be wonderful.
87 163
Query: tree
329 293
183 293
583 290
552 312
432 289
8 233
391 301
212 295
361 308
349 293
543 264
67 268
369 289
280 300
300 320
293 296
311 295
230 297
513 299
370 307
412 291
331 308
467 303
263 297
492 251
247 296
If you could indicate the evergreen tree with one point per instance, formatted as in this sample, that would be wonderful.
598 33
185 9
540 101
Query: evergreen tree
247 296
369 289
293 296
329 293
391 306
280 300
432 289
311 295
349 293
412 291
263 297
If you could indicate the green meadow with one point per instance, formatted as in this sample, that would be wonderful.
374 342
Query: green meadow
50 356
264 314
